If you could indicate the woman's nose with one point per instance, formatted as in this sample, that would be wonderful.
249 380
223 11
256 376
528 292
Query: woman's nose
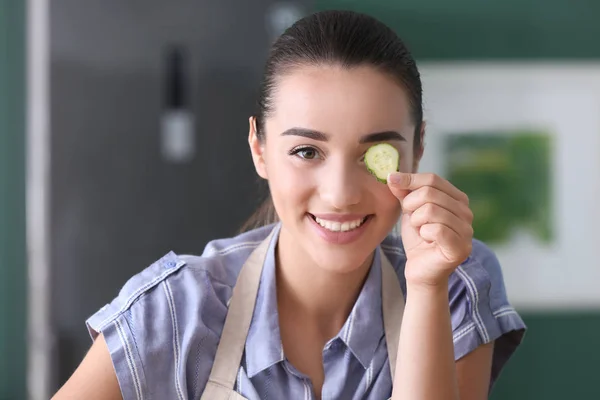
340 186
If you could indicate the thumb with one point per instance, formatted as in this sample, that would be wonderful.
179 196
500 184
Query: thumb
403 180
398 182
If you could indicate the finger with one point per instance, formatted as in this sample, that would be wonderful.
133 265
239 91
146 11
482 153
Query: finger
453 247
406 181
427 194
399 193
433 214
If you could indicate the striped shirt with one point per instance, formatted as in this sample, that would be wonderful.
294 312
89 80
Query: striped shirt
163 328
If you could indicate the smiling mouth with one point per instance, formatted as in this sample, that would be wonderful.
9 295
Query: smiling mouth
336 226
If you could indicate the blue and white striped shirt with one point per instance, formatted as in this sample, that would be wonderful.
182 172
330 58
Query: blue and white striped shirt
164 326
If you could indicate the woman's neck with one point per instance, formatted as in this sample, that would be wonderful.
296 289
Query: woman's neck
313 293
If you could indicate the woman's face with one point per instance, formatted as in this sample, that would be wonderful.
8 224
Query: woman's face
324 119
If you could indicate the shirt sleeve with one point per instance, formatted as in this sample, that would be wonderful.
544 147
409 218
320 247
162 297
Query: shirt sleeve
126 319
481 312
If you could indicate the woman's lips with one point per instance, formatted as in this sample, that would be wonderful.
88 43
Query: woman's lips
339 228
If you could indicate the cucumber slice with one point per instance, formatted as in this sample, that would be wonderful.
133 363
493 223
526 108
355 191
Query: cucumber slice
382 159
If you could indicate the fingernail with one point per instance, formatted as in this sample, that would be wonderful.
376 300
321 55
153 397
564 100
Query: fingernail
395 178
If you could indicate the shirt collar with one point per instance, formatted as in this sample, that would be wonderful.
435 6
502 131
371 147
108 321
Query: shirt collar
362 332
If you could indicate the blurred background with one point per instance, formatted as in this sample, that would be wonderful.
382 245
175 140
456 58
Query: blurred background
113 113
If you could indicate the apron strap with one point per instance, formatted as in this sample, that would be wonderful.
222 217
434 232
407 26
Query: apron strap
237 323
392 301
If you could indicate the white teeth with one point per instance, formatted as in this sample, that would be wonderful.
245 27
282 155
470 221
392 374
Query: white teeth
338 226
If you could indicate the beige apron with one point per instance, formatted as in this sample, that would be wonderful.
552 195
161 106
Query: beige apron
241 307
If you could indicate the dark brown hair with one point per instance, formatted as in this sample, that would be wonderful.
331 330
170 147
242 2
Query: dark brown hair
344 38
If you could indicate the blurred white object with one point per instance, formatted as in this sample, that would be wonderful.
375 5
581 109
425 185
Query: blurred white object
177 136
177 122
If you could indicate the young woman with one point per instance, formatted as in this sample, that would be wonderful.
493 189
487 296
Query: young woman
320 300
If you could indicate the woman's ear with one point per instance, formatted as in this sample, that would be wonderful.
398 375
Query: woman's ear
418 153
257 149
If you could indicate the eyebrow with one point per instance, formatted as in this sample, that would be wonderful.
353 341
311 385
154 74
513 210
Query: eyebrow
323 137
307 133
382 137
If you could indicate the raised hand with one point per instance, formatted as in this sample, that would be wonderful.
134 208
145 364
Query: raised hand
436 226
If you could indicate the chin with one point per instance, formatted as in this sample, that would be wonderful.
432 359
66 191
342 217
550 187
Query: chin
337 263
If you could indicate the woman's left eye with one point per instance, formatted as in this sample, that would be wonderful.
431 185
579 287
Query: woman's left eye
307 153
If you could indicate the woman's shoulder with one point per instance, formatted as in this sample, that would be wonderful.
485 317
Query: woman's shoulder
480 308
482 268
186 275
478 281
172 313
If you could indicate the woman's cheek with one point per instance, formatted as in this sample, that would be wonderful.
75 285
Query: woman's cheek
290 178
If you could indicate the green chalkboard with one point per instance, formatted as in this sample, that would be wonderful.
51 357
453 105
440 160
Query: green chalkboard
492 29
12 201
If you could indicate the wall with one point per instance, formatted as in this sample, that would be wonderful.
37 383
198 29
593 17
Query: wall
117 203
560 353
12 201
494 29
